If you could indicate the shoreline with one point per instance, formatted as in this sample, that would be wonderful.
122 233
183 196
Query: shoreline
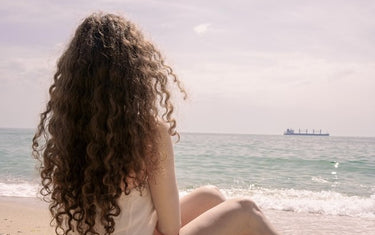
21 215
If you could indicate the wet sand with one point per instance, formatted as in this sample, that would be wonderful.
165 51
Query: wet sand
293 223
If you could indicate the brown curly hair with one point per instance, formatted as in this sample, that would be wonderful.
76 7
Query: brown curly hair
98 134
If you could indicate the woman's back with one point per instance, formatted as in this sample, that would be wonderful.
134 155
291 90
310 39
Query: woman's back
100 128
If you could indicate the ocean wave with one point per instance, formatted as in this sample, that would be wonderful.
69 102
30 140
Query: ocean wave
24 189
323 202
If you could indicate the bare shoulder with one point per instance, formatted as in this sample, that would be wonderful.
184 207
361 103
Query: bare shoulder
163 129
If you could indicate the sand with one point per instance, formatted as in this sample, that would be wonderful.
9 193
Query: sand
293 223
31 216
24 216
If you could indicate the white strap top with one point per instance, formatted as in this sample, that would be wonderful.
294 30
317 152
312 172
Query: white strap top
138 215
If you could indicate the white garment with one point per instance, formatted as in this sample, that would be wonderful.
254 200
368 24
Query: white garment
138 215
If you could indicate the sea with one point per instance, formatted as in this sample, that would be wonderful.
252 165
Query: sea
329 176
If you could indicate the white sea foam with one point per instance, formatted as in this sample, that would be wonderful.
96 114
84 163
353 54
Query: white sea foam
324 202
18 189
319 180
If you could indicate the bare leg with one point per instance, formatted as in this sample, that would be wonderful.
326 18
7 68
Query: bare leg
199 201
205 211
236 216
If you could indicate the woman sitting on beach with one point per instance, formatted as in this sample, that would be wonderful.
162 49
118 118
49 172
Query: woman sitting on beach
104 143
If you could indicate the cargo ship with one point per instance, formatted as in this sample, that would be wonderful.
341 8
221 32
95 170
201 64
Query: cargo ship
305 132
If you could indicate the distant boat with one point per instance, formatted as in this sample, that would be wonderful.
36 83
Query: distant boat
305 132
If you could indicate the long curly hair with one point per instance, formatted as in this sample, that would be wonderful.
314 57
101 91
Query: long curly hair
98 134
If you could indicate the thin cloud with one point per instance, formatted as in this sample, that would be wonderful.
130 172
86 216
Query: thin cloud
202 28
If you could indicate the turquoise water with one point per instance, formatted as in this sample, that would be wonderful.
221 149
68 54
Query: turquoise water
327 175
16 163
341 164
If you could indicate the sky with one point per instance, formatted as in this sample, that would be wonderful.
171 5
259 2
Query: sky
249 66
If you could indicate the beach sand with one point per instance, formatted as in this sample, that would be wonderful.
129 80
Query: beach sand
293 223
31 216
24 216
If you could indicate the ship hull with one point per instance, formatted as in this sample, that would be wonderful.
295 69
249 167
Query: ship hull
306 134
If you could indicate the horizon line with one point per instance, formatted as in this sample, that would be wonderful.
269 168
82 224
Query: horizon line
210 132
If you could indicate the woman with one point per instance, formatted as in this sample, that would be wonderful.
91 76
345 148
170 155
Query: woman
104 143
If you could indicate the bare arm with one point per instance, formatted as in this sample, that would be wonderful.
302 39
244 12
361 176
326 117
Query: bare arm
164 190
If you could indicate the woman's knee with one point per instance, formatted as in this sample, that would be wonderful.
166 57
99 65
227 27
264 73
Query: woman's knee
212 192
254 218
247 207
248 204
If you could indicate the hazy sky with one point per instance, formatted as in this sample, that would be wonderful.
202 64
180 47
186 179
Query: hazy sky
255 67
